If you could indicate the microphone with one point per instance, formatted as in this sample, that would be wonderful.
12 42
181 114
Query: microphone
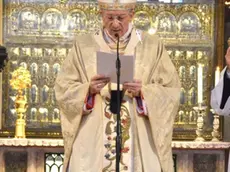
117 36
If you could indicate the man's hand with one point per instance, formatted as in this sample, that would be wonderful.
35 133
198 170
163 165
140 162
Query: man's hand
133 87
227 57
97 82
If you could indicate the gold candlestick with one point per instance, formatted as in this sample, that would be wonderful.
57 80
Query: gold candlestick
200 122
216 125
20 81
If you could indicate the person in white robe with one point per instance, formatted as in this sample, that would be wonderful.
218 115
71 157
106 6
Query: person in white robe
149 105
220 96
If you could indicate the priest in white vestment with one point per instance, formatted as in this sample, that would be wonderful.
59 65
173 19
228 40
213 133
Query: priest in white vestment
149 105
220 97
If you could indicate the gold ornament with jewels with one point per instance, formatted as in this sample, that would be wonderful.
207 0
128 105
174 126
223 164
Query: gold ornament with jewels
21 79
117 4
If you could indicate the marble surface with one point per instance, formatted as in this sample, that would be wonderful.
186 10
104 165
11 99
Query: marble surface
32 142
200 145
59 143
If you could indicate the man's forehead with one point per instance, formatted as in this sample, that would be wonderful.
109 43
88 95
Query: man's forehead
115 12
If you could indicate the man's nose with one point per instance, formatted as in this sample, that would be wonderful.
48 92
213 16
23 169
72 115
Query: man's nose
115 23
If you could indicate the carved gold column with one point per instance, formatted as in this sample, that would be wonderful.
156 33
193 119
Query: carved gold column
220 33
1 20
1 42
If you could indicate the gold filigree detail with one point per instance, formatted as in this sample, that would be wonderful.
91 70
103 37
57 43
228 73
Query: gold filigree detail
21 79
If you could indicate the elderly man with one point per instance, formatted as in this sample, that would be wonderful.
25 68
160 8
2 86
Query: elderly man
220 100
150 102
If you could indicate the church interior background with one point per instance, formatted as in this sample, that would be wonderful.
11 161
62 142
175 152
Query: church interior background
38 35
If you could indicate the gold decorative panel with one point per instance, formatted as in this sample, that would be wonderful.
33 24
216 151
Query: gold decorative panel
39 34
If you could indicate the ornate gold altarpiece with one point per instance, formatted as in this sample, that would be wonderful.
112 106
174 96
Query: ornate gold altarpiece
39 34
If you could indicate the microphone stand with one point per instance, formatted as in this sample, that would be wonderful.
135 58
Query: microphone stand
118 128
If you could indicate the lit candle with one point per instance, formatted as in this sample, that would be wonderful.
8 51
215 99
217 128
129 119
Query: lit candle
217 75
200 84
